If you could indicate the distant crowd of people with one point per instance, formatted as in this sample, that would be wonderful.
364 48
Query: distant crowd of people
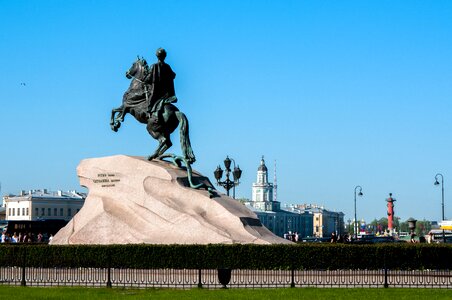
291 236
430 239
294 237
346 238
341 238
27 237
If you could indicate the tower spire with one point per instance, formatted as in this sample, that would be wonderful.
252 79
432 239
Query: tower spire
275 185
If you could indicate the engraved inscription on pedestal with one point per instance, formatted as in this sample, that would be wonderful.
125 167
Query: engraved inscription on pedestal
106 179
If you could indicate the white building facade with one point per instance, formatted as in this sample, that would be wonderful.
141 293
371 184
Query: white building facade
269 211
43 204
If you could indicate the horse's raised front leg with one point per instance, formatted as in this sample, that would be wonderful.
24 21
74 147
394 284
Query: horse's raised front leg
115 121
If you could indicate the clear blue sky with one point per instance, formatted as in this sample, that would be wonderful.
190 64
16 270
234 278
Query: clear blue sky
339 93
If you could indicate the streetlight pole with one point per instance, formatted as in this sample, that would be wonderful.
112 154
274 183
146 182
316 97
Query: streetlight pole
227 183
442 199
349 227
335 224
355 224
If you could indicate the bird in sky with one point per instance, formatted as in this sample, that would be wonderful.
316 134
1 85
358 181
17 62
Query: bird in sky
23 84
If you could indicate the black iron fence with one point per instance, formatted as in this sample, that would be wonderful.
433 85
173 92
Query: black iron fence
232 266
186 278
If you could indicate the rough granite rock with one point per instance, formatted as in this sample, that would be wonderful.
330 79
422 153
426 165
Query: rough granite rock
133 201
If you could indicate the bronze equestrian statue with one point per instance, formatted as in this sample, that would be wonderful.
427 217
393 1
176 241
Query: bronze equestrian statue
150 99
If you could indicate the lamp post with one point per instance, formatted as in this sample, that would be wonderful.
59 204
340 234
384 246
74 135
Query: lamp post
442 199
355 224
227 183
335 224
349 227
224 275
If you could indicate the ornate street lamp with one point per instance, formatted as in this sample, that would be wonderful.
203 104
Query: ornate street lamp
355 224
236 174
224 275
442 199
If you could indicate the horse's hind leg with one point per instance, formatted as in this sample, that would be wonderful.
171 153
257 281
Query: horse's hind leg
158 150
164 144
164 141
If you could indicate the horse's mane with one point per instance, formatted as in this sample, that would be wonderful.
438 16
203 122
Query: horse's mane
142 61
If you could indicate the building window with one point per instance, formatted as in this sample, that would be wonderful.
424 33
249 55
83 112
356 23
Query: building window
55 212
28 212
14 211
37 212
9 211
18 211
23 211
61 212
43 211
69 212
49 211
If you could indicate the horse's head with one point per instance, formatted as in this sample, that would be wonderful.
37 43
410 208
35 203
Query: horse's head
139 69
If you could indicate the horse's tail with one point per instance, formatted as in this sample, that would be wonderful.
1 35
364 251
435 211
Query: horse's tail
185 138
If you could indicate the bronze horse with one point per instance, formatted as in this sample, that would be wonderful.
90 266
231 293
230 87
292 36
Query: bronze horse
160 126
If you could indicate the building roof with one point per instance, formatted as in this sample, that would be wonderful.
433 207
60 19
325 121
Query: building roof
270 212
46 194
311 208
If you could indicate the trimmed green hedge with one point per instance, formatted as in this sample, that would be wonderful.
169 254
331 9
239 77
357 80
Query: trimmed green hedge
301 256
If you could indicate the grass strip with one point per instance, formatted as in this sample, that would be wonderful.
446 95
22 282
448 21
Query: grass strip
8 292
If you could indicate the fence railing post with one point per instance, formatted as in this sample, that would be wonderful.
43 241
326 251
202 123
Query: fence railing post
108 277
386 271
199 279
386 278
109 269
292 284
22 280
24 257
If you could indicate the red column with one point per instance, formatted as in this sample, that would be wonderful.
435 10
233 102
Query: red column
390 201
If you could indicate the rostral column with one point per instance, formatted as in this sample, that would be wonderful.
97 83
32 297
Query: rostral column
390 201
